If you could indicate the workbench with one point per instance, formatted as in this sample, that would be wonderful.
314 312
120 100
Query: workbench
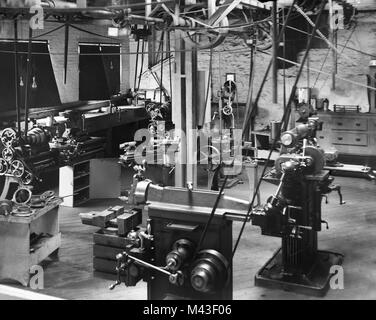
17 252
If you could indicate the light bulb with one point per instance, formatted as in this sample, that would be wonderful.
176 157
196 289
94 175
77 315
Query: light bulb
34 84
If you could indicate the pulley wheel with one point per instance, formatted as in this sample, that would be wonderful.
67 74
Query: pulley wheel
210 272
17 168
7 137
22 196
8 154
3 167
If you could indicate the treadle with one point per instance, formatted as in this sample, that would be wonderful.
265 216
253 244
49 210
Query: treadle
316 283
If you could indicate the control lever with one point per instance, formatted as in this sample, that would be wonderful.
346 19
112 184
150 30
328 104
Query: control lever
296 231
174 278
122 264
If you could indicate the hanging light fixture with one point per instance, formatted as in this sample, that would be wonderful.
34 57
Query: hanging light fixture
34 85
21 82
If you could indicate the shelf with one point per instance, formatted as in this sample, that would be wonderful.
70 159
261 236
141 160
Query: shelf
81 188
74 184
82 175
43 248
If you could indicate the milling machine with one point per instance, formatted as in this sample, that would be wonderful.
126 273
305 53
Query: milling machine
294 214
186 249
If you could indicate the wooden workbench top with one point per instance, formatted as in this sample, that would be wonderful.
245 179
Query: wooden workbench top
36 213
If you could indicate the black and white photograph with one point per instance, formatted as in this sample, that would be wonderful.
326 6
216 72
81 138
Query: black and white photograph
181 156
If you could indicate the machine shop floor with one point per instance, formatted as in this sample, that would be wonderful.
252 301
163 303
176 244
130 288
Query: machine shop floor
352 232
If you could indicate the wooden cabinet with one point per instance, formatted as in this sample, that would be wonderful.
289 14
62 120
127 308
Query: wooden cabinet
349 133
74 184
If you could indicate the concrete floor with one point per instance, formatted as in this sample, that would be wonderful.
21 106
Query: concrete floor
352 232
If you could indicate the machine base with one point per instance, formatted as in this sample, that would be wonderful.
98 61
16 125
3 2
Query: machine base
314 283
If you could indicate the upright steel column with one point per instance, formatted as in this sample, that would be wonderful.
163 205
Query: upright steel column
27 81
184 108
333 38
275 51
16 76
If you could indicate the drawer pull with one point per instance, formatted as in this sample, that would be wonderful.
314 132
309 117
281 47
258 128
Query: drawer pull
321 137
340 138
340 123
358 139
357 124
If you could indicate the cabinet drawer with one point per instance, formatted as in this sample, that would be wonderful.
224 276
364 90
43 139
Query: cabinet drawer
372 124
349 124
354 139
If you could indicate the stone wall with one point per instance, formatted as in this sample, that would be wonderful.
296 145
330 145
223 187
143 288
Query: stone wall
233 56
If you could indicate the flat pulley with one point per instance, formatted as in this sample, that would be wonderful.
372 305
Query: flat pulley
318 158
22 196
203 35
210 272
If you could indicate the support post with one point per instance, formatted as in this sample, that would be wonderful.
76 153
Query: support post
333 38
27 81
16 77
275 51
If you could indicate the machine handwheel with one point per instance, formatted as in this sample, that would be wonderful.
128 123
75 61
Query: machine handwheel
17 168
27 178
227 110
